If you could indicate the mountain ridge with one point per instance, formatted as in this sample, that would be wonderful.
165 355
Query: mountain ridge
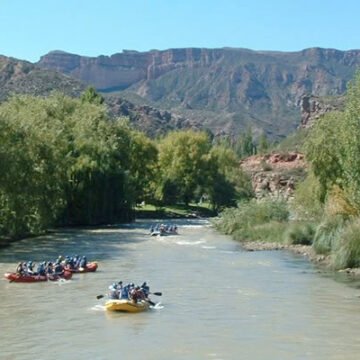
224 89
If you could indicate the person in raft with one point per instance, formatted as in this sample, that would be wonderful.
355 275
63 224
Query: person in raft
137 294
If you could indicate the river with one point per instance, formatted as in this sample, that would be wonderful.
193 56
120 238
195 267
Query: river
218 301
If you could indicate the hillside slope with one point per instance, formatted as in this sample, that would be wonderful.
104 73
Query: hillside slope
22 77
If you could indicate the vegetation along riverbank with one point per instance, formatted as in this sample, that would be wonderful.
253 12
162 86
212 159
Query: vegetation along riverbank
66 162
322 218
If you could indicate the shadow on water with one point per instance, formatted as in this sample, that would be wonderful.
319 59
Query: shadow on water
97 243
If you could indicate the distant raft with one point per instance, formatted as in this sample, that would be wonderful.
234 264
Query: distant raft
124 305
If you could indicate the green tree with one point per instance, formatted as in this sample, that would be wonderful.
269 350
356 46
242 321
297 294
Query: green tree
91 96
333 147
32 187
226 182
323 149
245 145
64 161
182 160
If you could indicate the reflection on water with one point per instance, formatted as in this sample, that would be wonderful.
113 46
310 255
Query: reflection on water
218 302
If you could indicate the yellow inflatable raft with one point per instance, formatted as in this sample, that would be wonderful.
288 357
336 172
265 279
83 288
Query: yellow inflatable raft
126 305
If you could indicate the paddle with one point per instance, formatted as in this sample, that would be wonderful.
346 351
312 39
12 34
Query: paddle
150 302
152 293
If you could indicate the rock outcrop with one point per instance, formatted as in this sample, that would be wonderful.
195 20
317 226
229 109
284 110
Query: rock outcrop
146 118
275 175
313 107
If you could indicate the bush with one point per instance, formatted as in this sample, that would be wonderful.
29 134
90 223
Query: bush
307 204
272 231
328 233
244 221
347 254
301 233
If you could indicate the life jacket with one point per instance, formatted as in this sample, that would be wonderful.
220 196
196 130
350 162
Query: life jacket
113 293
58 269
125 293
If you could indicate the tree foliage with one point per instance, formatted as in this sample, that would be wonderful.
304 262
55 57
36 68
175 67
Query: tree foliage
65 162
333 148
190 167
245 145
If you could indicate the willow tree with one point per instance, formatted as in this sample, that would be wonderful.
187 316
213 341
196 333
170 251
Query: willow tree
34 165
65 161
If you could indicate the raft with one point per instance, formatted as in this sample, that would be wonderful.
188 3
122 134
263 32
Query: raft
15 277
126 306
90 267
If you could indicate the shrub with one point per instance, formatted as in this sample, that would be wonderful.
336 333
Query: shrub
328 233
307 204
301 233
272 231
242 222
347 253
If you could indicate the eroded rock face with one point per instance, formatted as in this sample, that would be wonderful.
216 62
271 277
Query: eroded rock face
221 88
119 71
313 107
275 175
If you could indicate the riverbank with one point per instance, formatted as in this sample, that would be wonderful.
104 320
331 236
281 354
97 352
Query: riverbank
173 212
323 261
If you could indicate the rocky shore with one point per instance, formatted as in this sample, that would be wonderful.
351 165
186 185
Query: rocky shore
307 251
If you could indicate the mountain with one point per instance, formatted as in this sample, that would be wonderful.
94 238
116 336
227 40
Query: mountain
225 90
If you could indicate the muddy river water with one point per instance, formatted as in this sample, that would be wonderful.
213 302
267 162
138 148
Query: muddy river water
218 301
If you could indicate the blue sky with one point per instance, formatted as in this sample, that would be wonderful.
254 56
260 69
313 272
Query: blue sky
30 29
